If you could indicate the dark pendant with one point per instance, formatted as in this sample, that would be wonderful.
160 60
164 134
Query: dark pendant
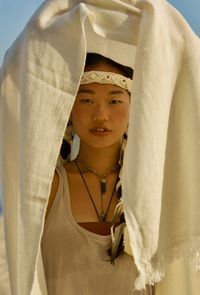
103 185
103 217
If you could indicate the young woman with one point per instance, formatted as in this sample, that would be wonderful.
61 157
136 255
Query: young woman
76 240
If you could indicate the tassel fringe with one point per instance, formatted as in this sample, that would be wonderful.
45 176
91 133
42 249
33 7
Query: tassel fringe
152 273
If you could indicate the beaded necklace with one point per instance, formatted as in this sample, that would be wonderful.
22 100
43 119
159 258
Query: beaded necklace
102 177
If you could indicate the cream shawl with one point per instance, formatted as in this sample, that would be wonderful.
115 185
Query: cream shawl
161 172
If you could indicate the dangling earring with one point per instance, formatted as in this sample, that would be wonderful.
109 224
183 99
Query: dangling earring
73 140
66 144
75 147
68 136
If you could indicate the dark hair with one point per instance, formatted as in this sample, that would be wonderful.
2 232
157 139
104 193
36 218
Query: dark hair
93 59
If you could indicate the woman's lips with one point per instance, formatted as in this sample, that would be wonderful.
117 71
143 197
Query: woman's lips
100 131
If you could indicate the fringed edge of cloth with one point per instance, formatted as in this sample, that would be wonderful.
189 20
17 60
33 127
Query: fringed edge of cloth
154 271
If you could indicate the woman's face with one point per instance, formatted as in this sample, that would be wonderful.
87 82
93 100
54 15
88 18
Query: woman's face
101 111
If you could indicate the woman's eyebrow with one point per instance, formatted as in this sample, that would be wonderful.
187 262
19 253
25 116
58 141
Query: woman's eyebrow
117 92
84 90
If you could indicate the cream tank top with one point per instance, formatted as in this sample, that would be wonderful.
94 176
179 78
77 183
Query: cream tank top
76 260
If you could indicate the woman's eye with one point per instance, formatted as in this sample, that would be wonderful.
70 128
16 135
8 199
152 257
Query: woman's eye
86 100
116 101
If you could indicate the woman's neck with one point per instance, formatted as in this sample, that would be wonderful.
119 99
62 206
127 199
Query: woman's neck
101 160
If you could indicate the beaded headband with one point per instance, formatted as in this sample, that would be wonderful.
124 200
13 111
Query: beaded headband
106 78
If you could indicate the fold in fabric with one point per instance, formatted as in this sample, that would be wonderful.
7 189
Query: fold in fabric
161 172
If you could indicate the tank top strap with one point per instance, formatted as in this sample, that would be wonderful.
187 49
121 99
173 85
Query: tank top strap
65 191
58 202
62 185
61 173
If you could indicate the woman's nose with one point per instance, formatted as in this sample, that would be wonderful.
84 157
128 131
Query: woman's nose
100 113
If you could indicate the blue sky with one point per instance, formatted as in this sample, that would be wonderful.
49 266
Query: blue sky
15 13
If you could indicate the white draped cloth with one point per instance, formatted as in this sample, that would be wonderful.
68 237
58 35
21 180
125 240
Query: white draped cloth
161 172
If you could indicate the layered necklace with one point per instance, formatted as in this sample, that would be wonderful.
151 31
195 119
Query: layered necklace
103 188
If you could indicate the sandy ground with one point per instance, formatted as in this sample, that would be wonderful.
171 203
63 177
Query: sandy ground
4 286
